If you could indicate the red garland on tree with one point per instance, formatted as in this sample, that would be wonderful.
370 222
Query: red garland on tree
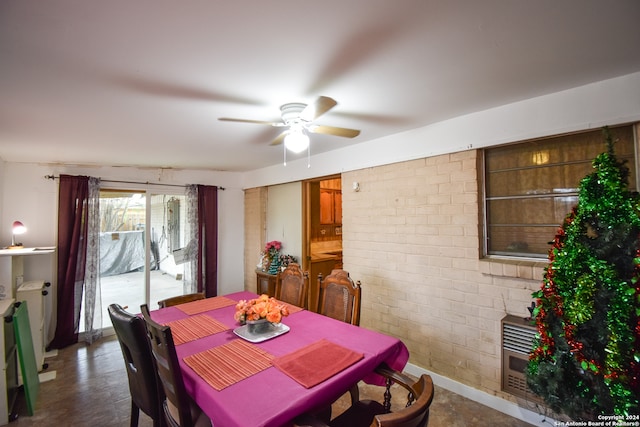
586 356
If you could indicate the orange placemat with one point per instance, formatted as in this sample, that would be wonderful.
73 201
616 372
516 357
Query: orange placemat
316 362
227 364
200 306
193 328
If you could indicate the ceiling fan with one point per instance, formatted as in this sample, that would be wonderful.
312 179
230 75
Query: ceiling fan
298 118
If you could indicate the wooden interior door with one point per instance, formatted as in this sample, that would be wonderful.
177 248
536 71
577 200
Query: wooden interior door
321 210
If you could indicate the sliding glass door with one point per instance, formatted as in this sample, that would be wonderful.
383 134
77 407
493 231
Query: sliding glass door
142 236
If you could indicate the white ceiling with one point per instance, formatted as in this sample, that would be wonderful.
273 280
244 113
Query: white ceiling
142 82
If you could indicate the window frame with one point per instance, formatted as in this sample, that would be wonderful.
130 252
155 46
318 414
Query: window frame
484 200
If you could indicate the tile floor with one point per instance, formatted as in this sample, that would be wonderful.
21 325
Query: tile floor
91 389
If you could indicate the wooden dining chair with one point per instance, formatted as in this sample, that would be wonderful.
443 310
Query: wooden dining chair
292 285
178 407
180 299
365 413
339 297
146 395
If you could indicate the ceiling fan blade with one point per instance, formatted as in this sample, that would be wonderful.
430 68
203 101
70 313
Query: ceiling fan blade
279 139
332 130
258 122
318 108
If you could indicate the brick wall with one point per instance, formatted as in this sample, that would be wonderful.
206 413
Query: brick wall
411 236
255 207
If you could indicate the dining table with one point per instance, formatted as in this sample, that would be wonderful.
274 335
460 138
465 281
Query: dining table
239 381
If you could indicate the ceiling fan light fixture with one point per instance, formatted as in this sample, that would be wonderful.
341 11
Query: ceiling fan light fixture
296 141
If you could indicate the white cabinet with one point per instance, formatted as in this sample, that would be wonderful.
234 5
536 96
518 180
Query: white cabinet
9 375
34 293
11 273
12 268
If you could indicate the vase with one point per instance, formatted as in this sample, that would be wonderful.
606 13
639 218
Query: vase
274 266
258 326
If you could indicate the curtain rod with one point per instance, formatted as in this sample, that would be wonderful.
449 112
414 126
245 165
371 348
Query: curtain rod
52 177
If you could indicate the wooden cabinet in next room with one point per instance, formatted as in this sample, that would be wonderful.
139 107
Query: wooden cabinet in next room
265 283
330 206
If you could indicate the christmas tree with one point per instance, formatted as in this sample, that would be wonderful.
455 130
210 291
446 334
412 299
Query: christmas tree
585 360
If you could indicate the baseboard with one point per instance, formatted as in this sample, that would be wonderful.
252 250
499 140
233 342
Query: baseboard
483 398
46 376
51 353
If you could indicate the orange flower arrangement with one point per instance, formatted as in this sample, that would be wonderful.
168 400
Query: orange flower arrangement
263 307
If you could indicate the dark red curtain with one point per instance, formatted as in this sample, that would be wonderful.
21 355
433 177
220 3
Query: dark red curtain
207 268
72 240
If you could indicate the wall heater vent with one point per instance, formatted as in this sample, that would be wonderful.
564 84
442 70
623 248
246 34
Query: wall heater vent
517 342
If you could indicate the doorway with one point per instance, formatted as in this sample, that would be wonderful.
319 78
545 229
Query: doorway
322 230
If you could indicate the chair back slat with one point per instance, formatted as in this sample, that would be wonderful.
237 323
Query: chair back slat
180 299
292 285
145 391
163 349
419 398
340 297
367 413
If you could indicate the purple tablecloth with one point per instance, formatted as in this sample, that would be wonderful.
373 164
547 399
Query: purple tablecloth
271 398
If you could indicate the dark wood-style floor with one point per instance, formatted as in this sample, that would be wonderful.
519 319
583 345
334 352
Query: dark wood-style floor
91 389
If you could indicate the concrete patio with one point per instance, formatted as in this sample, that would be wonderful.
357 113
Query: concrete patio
128 291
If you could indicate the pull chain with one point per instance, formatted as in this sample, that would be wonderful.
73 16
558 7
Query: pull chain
284 148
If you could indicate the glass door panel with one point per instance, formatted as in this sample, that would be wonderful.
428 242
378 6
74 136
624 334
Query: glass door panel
167 241
142 236
122 250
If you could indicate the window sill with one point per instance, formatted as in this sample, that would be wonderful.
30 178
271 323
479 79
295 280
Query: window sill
528 269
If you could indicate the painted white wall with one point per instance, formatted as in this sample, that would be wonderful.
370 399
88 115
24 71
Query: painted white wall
2 166
31 199
230 240
284 217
